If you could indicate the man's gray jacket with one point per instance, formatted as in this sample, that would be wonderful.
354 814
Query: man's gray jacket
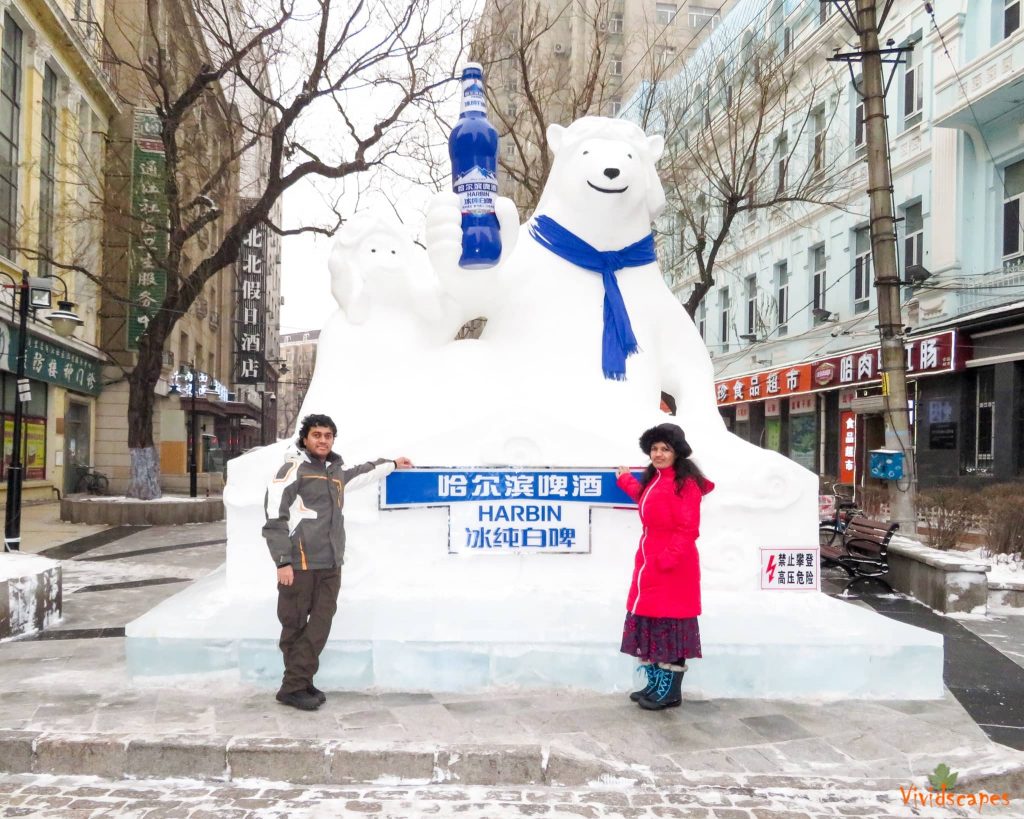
305 525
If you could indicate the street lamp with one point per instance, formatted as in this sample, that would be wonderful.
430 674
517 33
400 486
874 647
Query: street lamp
33 292
188 371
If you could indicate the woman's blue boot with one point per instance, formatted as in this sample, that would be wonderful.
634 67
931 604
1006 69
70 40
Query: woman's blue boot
649 670
666 693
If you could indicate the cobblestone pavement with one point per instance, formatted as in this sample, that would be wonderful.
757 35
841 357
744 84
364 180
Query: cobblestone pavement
73 797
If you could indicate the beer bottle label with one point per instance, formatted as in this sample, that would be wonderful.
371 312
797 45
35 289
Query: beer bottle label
473 98
476 189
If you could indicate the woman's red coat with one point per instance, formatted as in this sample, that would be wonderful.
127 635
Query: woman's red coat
666 573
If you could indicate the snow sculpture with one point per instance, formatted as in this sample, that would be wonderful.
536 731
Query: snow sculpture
531 391
391 312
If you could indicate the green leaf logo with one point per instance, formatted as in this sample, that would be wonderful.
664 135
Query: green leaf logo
943 778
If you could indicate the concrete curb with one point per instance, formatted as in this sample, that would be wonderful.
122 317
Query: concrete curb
86 509
331 762
309 762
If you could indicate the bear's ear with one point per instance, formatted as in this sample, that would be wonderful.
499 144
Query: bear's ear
555 133
656 144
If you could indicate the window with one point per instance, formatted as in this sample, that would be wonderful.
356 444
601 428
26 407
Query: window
183 348
913 240
47 170
824 12
615 66
723 328
782 295
1011 17
614 106
859 130
818 143
510 151
664 54
985 418
702 320
703 17
615 22
787 41
664 13
818 279
512 81
862 270
10 126
751 287
1013 233
913 86
511 110
781 160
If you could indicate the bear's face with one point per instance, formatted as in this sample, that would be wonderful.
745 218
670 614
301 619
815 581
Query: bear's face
599 174
381 251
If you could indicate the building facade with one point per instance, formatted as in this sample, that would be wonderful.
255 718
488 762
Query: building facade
547 62
790 320
299 353
58 94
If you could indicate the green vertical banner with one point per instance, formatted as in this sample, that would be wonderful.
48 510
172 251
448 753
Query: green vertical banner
147 252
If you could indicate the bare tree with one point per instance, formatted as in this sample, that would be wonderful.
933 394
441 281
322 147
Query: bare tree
312 90
547 61
745 135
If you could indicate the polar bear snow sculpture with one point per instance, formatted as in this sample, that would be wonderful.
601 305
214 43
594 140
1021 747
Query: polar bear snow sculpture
545 319
532 392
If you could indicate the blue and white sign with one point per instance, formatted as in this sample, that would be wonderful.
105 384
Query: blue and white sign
494 511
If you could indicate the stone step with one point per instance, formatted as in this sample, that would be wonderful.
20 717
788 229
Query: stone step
331 762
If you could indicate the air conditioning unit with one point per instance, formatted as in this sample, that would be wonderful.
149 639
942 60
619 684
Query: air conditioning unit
561 48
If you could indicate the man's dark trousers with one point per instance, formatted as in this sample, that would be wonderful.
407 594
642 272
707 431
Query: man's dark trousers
306 609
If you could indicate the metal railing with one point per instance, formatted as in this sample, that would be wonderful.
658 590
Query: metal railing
990 289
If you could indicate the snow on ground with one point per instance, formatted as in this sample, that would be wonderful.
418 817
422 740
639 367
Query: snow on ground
1002 568
19 565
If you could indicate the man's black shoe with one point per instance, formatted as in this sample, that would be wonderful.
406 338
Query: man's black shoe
313 691
302 700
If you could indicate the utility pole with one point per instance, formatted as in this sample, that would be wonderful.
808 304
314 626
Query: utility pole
865 19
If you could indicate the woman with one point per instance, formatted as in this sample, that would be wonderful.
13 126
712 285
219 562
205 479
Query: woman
664 597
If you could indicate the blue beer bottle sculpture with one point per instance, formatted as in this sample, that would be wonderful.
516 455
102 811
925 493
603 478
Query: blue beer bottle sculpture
473 148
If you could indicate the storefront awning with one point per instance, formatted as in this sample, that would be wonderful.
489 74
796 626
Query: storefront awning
928 355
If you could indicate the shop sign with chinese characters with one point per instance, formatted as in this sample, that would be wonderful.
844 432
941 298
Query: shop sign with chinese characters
46 361
847 447
933 354
147 246
252 278
495 511
793 569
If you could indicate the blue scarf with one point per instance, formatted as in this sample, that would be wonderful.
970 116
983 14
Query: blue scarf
618 340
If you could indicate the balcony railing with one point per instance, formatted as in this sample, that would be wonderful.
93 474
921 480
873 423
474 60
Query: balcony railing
992 288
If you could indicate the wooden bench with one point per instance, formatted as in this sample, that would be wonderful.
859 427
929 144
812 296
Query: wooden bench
861 550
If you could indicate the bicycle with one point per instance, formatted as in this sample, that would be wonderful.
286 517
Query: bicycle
844 510
91 481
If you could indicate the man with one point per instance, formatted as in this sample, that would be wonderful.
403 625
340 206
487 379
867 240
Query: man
305 532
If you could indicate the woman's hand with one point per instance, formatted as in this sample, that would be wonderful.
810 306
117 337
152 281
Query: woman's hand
621 470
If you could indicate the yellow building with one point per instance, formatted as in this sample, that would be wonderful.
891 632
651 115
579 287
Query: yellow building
57 98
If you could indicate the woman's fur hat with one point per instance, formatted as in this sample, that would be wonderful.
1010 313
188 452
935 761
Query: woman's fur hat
670 434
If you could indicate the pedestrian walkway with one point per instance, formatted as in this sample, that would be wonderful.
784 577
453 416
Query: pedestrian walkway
90 797
69 707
